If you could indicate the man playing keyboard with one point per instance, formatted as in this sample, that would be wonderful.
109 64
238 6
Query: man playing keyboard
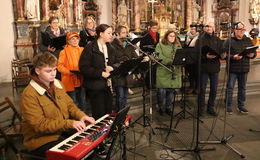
49 114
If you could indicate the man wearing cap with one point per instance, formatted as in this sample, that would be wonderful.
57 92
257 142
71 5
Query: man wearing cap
68 66
238 66
210 67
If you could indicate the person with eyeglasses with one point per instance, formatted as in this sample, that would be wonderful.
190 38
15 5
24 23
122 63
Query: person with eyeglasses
148 43
238 66
88 33
53 30
124 53
69 69
167 81
211 53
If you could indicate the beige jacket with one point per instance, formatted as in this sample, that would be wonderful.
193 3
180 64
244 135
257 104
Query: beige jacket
43 118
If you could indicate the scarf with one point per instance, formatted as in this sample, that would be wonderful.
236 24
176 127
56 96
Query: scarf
153 34
191 39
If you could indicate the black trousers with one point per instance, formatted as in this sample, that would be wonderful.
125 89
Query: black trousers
101 102
41 150
192 69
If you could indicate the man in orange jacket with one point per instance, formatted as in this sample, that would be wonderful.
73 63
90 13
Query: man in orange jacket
68 66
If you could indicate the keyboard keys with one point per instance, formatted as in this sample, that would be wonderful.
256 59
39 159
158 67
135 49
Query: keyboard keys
83 134
64 147
71 142
77 138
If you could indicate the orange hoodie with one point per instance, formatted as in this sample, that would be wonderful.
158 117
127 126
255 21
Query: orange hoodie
68 60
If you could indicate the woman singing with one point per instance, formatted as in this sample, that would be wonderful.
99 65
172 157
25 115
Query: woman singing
95 64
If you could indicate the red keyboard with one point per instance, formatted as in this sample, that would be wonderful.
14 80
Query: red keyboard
81 144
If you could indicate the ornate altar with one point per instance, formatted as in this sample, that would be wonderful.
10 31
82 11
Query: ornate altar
91 9
31 17
225 12
137 13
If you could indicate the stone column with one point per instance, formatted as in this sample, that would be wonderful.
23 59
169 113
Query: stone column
114 13
20 10
173 18
189 13
68 12
202 11
45 9
75 11
137 15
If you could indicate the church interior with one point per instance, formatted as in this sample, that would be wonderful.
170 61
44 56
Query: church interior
185 135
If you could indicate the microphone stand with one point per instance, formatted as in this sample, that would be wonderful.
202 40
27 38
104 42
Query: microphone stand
196 149
146 119
169 129
224 140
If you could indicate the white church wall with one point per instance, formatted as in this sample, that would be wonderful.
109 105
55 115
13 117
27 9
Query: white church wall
106 11
243 14
6 40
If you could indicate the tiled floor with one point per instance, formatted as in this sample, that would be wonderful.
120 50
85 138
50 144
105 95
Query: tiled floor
155 146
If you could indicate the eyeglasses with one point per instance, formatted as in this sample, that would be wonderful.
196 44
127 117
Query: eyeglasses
241 29
208 26
171 36
74 38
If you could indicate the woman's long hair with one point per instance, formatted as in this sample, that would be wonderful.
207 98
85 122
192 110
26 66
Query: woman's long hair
165 40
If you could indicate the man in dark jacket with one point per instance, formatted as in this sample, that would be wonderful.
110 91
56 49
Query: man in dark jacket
211 53
124 52
238 66
147 44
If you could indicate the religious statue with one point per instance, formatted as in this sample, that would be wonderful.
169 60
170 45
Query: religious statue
91 5
254 10
32 10
224 4
195 11
163 24
122 13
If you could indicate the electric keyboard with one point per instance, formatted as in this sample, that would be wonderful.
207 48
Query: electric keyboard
81 144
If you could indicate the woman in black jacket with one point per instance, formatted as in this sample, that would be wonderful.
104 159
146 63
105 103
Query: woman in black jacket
88 33
95 64
53 31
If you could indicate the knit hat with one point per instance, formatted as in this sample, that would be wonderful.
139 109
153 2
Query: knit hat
71 34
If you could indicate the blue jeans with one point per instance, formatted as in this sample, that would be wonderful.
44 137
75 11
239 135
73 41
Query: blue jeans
121 97
213 77
79 97
241 94
164 94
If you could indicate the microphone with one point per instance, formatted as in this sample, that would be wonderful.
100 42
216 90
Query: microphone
224 23
119 37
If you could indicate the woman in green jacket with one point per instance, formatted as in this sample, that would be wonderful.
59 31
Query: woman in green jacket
167 81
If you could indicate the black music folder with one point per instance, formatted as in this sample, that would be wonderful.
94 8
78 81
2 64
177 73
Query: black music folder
247 50
185 56
56 42
207 49
127 67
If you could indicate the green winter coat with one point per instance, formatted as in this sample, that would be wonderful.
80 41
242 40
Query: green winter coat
164 78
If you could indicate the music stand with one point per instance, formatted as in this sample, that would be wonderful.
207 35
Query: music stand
183 57
127 67
115 129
